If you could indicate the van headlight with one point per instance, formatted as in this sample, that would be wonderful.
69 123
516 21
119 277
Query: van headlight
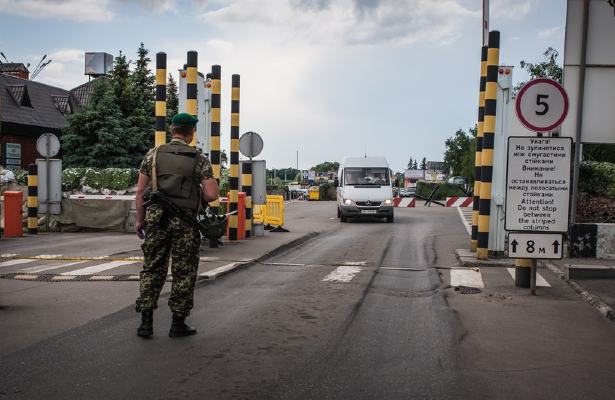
388 202
348 202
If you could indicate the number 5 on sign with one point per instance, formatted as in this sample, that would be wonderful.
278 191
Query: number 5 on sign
542 105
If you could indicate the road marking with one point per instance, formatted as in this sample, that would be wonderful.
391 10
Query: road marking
14 262
467 224
356 263
343 273
47 267
220 270
466 277
94 269
540 281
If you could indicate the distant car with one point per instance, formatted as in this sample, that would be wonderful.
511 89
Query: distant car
407 192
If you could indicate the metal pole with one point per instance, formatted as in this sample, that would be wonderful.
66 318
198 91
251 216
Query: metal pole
160 127
234 167
486 174
246 186
578 146
47 186
479 148
216 72
33 199
192 77
533 278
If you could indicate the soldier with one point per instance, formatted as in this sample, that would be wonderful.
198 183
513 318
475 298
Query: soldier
184 175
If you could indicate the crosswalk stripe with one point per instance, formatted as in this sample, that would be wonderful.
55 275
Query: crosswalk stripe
466 277
343 273
94 269
540 281
14 262
47 267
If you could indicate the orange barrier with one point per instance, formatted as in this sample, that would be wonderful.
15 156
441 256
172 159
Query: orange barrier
13 226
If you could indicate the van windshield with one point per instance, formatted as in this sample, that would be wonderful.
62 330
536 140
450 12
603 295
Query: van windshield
366 176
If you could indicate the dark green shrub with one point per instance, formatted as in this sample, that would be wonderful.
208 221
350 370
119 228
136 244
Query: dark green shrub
424 189
597 178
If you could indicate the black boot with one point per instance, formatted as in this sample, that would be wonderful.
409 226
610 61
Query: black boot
147 321
179 327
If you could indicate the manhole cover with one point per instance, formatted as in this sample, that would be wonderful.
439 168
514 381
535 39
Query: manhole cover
467 290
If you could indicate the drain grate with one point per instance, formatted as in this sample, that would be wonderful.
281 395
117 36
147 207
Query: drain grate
467 290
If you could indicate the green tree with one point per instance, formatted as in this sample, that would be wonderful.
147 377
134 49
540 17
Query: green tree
459 154
424 163
172 103
90 138
327 166
410 164
548 68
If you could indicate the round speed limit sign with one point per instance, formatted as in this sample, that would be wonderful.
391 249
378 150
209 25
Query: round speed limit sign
542 105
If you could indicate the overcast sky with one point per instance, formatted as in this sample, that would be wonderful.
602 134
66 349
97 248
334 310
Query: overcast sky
329 78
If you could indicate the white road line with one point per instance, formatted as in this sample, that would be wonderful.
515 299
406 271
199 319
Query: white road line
466 277
47 267
344 273
465 222
94 269
540 281
15 262
220 270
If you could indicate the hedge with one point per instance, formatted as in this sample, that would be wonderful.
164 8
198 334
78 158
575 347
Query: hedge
424 189
597 178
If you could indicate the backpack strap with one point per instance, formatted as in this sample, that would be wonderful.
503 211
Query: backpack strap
154 177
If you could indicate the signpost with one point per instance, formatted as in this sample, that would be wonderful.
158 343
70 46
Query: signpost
50 170
538 179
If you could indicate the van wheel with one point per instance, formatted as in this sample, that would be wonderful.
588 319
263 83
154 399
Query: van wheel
343 218
390 219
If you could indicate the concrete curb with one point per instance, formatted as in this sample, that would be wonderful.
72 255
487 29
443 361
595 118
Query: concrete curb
604 309
218 272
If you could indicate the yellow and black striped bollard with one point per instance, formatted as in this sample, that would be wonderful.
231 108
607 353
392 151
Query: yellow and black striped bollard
216 72
161 99
234 168
191 87
479 147
486 174
33 199
246 186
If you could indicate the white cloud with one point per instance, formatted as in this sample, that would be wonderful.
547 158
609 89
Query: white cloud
508 9
355 22
77 10
549 32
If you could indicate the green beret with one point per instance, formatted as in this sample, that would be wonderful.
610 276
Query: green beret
184 119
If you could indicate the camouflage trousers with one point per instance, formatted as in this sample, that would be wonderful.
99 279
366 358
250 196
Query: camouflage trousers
168 237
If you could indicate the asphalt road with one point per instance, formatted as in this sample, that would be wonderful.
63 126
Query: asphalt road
362 311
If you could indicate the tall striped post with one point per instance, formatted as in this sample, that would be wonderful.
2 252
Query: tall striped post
216 72
246 186
479 147
486 174
234 168
33 199
161 99
191 87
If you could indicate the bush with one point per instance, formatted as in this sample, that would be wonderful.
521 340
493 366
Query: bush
597 178
424 189
110 178
595 209
21 176
71 178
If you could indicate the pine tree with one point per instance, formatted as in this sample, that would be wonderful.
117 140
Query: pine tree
172 103
424 163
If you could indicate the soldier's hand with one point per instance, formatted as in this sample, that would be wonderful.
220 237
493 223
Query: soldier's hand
140 231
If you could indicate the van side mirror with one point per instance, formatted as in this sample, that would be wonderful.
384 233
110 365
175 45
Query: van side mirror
336 182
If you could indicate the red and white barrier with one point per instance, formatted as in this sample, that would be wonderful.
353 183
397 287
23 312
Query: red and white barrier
459 201
404 202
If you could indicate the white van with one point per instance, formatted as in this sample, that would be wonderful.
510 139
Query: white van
364 189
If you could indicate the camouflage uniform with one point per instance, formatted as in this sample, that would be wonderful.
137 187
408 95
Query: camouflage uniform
167 237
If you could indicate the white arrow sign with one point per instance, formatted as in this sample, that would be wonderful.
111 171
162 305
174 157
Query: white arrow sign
535 245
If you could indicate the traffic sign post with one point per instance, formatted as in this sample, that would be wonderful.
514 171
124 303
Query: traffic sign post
538 180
